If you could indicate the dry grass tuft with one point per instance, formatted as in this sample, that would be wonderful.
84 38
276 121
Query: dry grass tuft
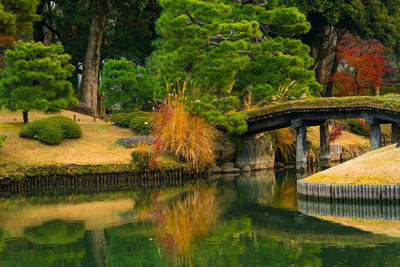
186 137
284 141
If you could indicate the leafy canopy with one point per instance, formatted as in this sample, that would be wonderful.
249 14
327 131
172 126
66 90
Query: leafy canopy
17 16
35 78
363 66
125 86
226 46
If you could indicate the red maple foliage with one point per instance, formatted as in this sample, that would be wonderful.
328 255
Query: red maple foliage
336 131
362 64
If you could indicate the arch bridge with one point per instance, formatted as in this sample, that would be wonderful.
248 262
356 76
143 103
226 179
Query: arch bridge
301 117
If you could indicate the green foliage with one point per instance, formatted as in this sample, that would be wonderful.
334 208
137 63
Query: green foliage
134 120
125 87
368 19
55 233
2 138
35 78
141 155
141 123
221 112
51 130
357 126
17 16
231 45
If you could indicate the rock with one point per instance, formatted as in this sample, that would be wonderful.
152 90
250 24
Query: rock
258 154
279 165
226 149
215 169
133 141
228 165
233 170
246 168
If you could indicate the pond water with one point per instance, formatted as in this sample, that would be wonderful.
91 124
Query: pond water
230 221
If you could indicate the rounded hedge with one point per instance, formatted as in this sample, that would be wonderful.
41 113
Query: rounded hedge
51 130
139 122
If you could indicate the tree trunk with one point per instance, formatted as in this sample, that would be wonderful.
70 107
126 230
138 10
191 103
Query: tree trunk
25 115
335 65
90 74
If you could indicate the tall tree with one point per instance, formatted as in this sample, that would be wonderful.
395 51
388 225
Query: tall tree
127 31
330 19
227 46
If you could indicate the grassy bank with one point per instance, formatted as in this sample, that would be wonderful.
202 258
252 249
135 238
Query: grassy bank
381 167
96 152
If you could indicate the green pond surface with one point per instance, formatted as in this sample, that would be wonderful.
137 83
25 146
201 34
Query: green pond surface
226 221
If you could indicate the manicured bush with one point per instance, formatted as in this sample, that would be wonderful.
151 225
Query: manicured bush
357 126
2 138
139 122
141 155
51 130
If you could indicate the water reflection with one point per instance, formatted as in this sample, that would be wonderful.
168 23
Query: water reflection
233 221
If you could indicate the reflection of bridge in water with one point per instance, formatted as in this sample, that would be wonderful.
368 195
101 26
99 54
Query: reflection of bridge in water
377 211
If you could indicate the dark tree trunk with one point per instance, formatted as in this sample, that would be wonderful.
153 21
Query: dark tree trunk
90 74
335 65
25 115
38 31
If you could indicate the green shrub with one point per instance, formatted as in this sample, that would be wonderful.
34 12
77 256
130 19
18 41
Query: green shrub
136 121
2 138
357 126
51 130
141 155
141 123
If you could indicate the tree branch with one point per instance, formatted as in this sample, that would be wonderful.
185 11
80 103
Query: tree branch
193 20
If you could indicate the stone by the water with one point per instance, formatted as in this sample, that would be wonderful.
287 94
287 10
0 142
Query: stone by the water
130 142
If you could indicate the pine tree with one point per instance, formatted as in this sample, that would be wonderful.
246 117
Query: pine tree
233 45
35 78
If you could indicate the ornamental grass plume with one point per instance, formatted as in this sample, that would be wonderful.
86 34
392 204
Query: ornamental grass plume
284 141
180 134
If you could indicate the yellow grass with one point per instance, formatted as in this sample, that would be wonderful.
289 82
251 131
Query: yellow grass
382 227
97 145
347 139
95 215
381 166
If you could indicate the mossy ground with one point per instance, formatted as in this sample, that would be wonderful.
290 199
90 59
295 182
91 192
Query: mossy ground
380 167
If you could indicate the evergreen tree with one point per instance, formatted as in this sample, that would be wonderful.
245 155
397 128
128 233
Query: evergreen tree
35 78
125 85
227 46
17 16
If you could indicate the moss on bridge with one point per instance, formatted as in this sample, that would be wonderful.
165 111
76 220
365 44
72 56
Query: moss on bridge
384 102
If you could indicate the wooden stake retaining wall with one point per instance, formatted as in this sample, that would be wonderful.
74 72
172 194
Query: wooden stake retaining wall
110 181
378 211
349 192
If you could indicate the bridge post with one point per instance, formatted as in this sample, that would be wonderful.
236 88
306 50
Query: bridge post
301 144
395 133
375 136
325 157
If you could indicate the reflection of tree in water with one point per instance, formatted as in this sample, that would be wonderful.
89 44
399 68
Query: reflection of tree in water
285 196
258 188
55 232
185 220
